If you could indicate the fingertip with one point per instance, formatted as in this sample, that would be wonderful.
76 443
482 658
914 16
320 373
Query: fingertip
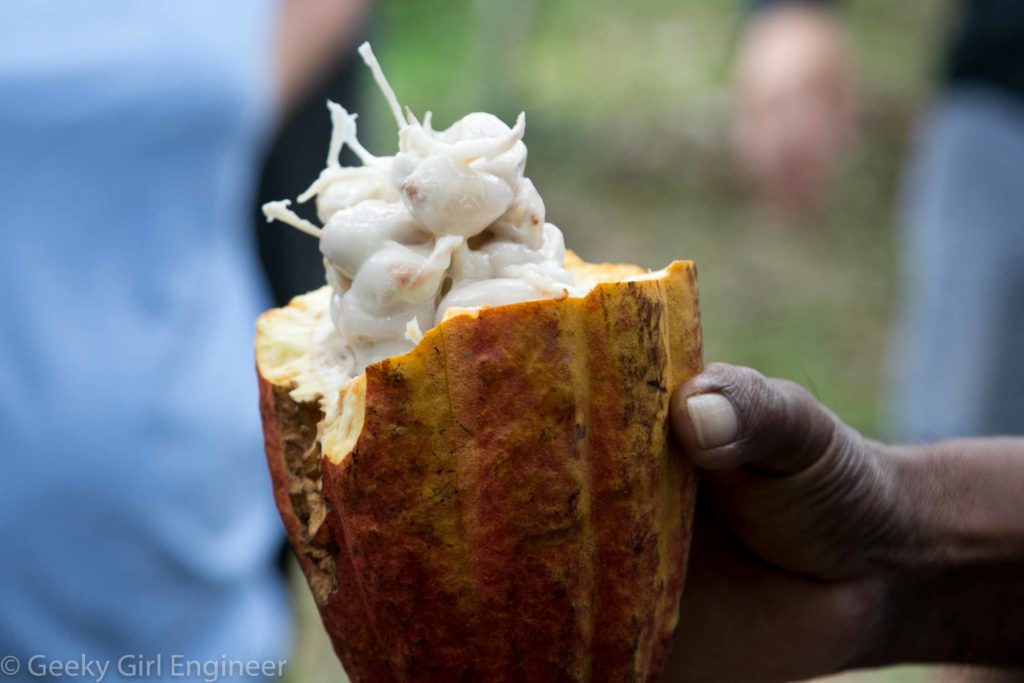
707 426
730 416
714 420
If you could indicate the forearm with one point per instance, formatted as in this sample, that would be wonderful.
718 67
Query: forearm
965 502
957 589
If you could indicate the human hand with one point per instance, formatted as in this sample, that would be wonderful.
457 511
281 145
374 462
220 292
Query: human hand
817 550
797 517
796 106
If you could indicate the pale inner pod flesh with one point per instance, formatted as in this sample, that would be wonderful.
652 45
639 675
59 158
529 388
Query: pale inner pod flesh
449 222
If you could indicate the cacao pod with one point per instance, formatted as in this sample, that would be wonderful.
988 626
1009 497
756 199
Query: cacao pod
502 503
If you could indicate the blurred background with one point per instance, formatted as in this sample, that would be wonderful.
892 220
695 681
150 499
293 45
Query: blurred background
132 136
629 129
629 126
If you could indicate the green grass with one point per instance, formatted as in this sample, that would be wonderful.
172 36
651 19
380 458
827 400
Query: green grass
628 106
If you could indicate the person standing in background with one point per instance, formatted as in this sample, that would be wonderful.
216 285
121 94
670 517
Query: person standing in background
957 369
963 250
293 262
135 515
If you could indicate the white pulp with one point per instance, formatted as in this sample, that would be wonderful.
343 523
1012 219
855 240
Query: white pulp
450 221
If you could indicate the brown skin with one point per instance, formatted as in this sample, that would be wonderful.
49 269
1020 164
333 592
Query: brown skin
819 550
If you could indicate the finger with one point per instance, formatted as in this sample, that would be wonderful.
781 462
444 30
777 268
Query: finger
742 620
730 416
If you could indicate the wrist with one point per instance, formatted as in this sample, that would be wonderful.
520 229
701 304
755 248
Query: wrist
888 556
959 504
954 572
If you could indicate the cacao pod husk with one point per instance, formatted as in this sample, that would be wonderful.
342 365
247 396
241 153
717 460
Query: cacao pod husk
503 502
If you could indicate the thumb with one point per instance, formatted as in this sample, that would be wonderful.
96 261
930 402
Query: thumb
730 416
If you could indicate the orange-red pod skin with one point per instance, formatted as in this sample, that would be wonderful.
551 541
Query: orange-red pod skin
512 509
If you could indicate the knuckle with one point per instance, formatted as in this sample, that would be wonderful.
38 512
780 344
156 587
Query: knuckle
753 390
737 379
794 398
717 374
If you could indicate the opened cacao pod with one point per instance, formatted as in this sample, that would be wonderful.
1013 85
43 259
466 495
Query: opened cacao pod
503 502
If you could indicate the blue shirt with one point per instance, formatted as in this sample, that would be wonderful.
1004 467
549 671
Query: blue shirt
135 507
